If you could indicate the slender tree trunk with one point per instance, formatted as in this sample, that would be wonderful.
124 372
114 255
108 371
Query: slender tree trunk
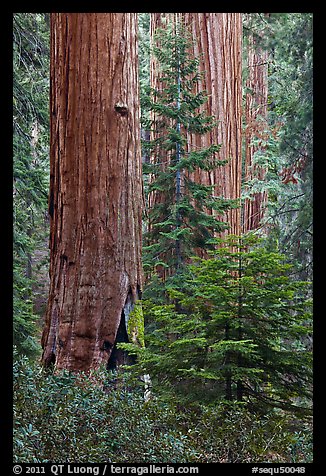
218 44
157 21
240 322
95 187
227 373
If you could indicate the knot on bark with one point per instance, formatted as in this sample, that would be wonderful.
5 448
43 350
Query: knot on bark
121 108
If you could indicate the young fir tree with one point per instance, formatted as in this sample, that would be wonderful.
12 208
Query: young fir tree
180 209
238 333
30 171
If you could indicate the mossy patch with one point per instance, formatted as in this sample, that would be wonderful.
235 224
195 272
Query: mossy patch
135 325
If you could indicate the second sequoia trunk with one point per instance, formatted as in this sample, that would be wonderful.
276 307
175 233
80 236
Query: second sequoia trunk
218 44
256 127
95 188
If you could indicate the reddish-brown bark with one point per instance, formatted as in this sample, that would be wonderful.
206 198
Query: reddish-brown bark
217 42
95 186
157 21
256 125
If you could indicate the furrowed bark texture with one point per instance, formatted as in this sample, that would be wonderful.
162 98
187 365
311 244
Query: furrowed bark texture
256 124
95 186
218 38
157 21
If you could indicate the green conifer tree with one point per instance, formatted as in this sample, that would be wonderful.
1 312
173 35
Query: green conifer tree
238 334
180 216
30 169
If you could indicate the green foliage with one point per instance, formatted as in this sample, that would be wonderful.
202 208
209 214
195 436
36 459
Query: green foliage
179 221
135 326
287 152
30 165
291 85
24 328
237 327
144 54
227 341
68 418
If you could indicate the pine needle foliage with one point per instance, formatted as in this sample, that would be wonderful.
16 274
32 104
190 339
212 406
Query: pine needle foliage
239 331
180 210
30 166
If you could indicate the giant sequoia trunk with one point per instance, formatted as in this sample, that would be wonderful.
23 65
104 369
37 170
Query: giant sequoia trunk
158 21
95 188
256 125
218 43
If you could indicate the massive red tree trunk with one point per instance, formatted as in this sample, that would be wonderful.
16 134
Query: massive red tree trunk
218 43
95 187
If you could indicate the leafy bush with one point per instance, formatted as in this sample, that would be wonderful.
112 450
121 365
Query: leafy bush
67 417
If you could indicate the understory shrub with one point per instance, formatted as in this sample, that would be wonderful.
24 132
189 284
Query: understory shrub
66 417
